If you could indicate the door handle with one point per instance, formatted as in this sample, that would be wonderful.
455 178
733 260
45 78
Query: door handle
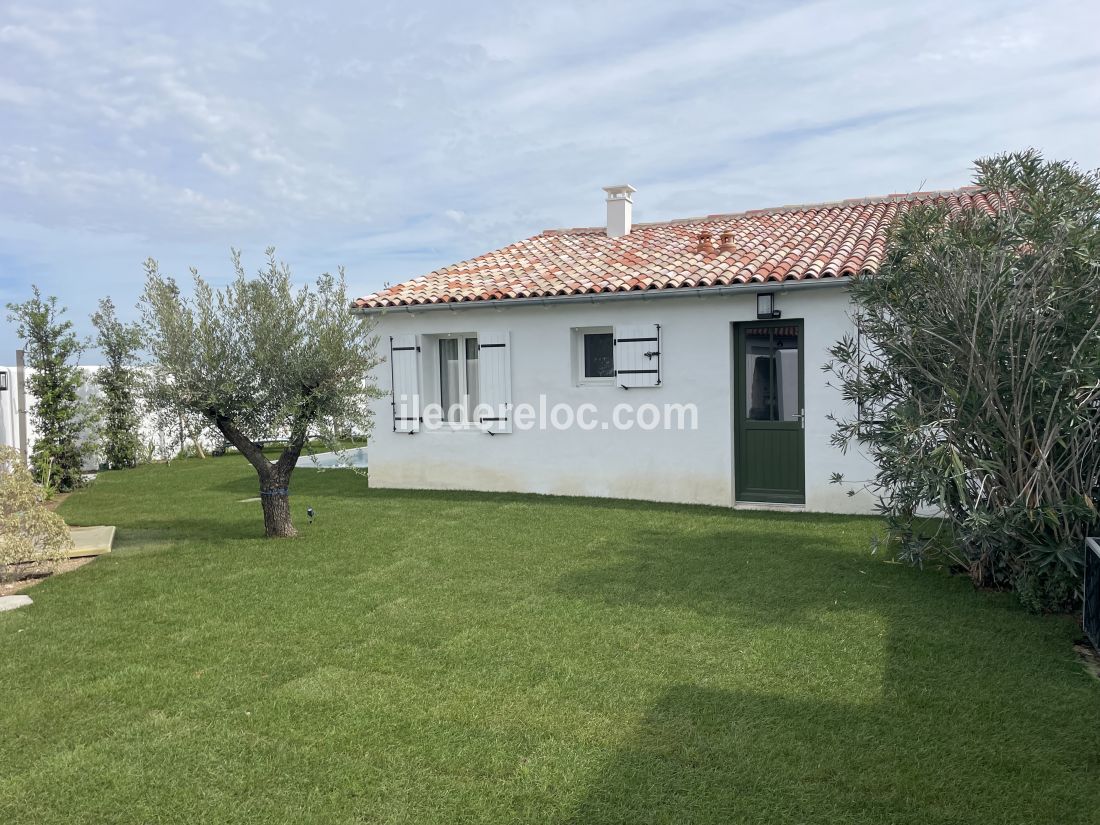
802 418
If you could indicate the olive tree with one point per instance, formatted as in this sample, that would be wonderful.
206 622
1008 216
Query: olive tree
260 359
977 378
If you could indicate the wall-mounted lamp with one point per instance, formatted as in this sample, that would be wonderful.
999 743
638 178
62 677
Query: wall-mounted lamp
765 306
3 380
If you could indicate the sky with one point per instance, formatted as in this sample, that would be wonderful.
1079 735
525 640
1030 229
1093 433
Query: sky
397 137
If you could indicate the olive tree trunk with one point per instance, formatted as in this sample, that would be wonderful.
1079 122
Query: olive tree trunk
275 498
274 477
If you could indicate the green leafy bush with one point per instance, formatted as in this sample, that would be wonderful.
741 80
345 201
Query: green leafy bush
976 373
30 535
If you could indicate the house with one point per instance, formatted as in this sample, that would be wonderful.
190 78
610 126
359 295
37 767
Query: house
673 361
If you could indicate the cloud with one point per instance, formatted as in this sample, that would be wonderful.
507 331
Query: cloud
415 135
19 94
30 39
227 168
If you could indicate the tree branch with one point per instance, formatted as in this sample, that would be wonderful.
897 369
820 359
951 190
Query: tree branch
244 444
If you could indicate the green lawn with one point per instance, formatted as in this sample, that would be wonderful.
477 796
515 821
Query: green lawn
460 658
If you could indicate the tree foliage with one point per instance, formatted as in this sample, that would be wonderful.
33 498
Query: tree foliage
261 360
117 379
60 416
978 378
29 533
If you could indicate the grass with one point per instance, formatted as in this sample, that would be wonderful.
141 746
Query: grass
467 658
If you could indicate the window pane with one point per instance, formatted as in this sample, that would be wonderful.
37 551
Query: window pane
771 374
449 387
759 376
786 379
471 376
599 355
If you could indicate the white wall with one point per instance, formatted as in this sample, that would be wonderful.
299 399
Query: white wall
164 443
9 417
680 466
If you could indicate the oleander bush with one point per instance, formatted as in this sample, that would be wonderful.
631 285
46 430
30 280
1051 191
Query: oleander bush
976 379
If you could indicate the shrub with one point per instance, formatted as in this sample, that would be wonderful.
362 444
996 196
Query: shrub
977 377
60 415
29 533
117 380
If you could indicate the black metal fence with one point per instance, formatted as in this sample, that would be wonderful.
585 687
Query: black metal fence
1092 591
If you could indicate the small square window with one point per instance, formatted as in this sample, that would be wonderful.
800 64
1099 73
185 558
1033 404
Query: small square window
594 355
599 355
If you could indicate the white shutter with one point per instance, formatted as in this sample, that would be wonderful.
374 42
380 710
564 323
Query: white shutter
494 382
638 355
405 383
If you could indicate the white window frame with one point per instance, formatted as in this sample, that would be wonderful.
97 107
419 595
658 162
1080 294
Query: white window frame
579 378
436 356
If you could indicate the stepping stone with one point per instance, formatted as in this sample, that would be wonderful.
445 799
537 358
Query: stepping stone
91 541
12 602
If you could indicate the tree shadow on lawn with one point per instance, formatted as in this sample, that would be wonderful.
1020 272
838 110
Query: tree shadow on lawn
342 483
346 484
450 497
145 532
715 756
974 711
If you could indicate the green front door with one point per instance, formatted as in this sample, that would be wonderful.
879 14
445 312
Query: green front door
769 439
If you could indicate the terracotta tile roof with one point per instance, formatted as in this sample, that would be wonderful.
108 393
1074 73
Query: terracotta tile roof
828 240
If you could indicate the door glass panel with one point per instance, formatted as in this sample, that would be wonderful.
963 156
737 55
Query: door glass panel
771 374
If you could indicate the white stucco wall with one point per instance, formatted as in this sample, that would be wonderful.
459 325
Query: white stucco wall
9 409
9 421
678 466
164 442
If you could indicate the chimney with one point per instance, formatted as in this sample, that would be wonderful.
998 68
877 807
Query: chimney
619 206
